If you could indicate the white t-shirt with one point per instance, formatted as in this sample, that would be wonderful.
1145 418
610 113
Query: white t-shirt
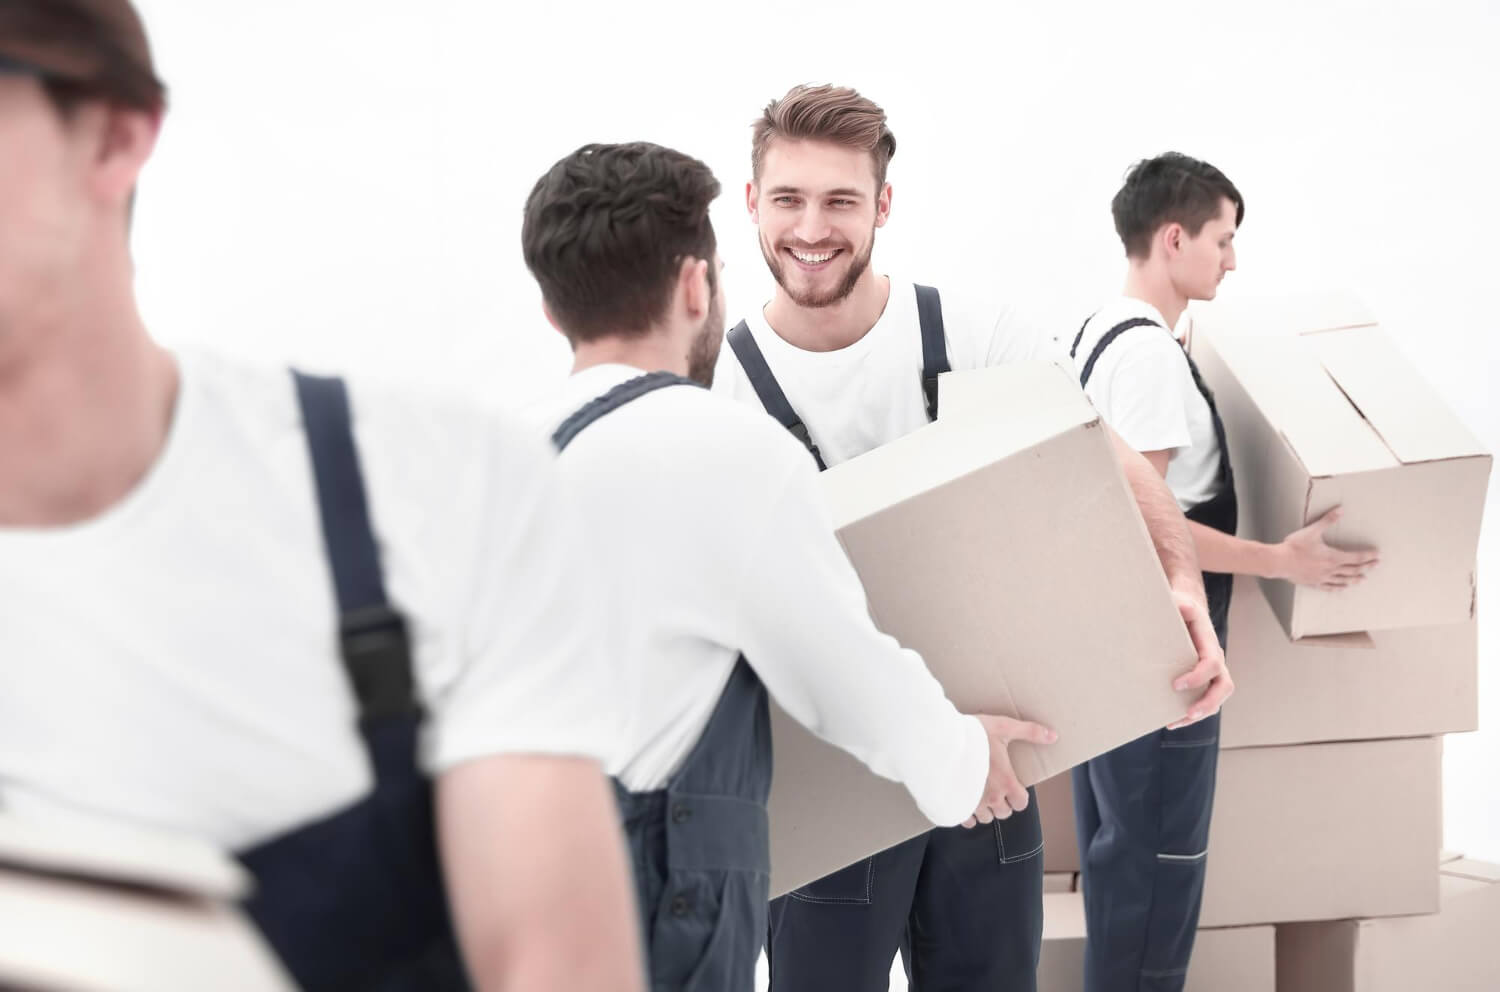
870 393
174 661
1143 388
709 519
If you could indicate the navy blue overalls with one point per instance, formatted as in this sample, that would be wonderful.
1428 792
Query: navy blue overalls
1143 809
355 901
963 906
701 846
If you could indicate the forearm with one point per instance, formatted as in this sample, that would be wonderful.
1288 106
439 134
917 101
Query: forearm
1164 521
1221 552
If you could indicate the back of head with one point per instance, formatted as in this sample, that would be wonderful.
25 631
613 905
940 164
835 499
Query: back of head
835 114
82 50
606 230
1167 189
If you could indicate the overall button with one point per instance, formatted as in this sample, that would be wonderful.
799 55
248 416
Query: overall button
681 813
681 905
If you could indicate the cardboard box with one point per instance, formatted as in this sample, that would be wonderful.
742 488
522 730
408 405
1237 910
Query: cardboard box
1238 959
95 909
1454 950
1002 543
1059 881
1324 832
1413 682
1321 413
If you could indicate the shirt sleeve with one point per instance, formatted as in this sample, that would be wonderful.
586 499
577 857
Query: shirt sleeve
806 628
1141 394
533 674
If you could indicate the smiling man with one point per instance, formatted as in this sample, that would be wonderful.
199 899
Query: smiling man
847 359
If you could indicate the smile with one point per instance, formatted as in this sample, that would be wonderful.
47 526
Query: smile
813 257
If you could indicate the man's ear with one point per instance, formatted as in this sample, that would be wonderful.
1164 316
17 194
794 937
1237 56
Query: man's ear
883 205
752 199
1171 238
693 290
126 140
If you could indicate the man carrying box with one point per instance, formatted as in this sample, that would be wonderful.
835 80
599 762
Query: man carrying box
235 601
733 584
1143 809
847 360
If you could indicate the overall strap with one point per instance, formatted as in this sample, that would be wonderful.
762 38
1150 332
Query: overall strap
768 389
373 641
625 392
1104 342
934 345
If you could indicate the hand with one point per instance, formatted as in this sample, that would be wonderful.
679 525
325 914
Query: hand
1003 792
1307 558
1211 670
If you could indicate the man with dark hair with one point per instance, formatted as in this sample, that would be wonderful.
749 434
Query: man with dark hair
1143 809
848 360
234 598
733 582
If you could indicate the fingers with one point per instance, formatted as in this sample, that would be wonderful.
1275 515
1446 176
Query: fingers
1202 674
1363 558
1018 798
1210 702
1035 733
1327 520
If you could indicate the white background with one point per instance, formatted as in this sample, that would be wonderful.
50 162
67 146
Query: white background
341 181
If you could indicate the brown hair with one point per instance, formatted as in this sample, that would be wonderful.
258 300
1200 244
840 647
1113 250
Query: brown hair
606 229
1167 189
83 50
835 114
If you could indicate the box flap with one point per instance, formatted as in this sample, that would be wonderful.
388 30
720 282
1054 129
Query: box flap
1282 314
1479 871
1409 415
971 434
1300 400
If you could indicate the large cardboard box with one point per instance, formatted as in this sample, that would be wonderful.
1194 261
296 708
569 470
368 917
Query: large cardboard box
1324 832
1002 543
97 909
1412 682
1455 950
1237 959
1322 410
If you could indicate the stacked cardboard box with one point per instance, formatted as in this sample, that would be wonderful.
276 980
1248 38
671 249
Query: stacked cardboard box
1328 805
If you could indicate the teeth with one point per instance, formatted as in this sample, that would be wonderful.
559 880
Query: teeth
812 259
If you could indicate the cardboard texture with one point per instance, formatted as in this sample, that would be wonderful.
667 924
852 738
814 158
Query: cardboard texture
1413 682
1064 881
103 909
1454 950
1238 959
1321 412
1324 831
1003 544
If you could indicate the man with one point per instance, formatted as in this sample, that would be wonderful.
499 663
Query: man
735 585
1143 809
848 359
228 612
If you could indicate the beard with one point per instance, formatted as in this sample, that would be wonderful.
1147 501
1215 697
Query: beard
703 354
813 300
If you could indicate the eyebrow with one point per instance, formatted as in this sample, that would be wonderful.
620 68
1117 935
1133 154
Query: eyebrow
847 191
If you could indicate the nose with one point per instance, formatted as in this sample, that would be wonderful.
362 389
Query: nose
1229 260
812 225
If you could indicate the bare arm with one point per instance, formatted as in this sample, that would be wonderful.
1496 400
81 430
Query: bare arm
1179 559
1305 557
537 875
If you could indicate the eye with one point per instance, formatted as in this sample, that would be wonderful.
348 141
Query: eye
785 201
842 203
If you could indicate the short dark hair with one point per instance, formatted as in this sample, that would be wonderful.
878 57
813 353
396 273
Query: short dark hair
606 230
83 50
836 114
1168 189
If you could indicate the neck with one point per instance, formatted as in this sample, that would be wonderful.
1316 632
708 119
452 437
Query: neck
653 351
1151 285
832 327
86 401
